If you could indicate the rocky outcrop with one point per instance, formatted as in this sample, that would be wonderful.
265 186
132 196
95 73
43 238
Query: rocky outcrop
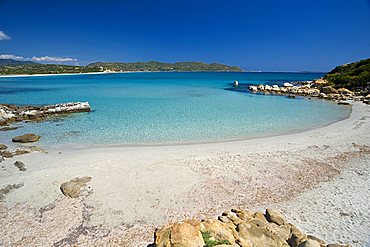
238 228
26 138
72 188
317 88
13 113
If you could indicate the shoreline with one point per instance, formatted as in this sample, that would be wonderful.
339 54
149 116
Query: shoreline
203 142
135 189
123 72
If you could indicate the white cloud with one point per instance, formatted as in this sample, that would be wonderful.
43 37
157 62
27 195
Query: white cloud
11 56
3 36
53 59
45 59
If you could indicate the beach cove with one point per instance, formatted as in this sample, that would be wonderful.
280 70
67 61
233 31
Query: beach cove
315 177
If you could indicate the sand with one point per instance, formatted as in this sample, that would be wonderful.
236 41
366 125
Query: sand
319 178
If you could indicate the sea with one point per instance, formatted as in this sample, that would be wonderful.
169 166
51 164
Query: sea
156 108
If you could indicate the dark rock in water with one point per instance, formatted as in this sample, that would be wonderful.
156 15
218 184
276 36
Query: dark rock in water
7 189
291 96
72 188
21 166
26 138
7 128
3 146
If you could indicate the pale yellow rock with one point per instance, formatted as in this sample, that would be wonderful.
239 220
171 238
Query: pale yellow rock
309 243
296 236
275 216
255 233
219 230
186 235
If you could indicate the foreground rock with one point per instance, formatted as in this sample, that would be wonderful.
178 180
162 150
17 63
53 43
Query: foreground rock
13 113
9 188
20 165
73 187
3 146
26 138
241 228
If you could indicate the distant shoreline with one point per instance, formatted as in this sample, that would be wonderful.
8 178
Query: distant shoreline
123 72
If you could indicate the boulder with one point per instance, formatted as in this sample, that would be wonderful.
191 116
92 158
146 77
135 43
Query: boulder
287 84
218 230
20 165
345 91
268 88
253 88
26 138
320 81
342 102
309 243
275 216
181 234
3 146
72 188
8 128
296 236
256 233
367 96
328 90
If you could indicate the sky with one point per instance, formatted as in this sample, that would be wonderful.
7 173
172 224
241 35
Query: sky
285 35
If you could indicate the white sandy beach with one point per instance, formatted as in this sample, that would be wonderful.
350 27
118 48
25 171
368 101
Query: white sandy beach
320 179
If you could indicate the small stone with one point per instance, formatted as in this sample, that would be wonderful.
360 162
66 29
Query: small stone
21 166
3 146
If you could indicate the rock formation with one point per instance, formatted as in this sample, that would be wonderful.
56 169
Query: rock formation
317 88
13 113
237 228
72 188
26 138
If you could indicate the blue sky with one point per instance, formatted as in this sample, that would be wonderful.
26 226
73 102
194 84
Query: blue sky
255 35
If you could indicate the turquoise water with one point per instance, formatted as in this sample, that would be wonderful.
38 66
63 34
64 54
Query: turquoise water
150 108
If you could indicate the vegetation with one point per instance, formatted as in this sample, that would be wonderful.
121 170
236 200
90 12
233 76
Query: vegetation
210 242
159 66
352 76
14 67
36 68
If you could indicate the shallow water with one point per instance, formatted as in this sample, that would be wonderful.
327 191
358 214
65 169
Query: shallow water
151 108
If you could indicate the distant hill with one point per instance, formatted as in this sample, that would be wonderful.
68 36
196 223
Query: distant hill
13 62
13 67
352 76
36 68
159 66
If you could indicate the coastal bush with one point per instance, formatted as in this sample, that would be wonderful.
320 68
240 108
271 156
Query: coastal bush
212 242
352 76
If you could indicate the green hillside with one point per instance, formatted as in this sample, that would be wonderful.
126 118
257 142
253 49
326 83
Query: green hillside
352 76
159 66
